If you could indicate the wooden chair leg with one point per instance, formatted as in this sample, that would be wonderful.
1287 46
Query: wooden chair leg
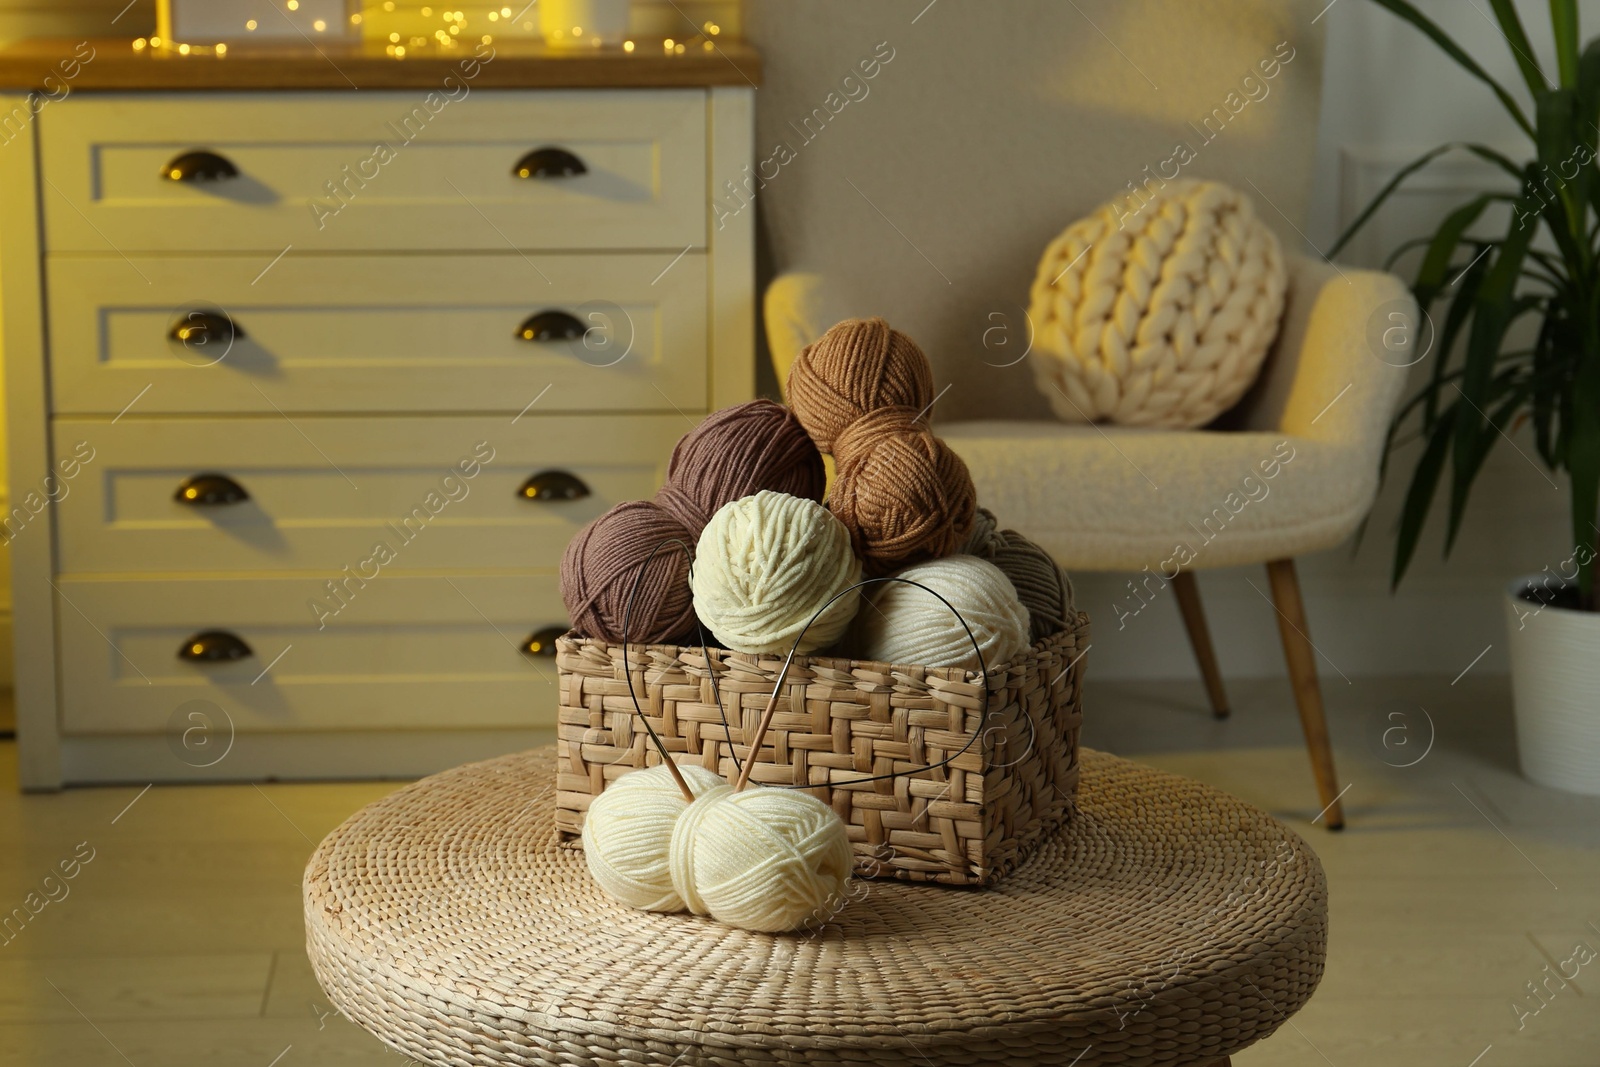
1301 657
1194 620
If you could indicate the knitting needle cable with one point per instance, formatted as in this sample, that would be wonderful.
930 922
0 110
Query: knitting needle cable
716 694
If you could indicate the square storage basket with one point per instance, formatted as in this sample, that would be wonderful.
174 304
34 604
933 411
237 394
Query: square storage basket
974 794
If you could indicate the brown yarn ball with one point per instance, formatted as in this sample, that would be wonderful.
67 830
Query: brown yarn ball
601 567
738 452
858 366
1042 586
903 494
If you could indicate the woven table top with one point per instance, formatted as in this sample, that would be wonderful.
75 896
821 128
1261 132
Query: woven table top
1167 923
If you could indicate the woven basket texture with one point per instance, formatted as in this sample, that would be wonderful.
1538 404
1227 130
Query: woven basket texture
1010 777
1165 925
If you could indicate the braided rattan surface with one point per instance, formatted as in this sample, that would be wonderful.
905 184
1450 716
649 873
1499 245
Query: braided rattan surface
933 782
1166 923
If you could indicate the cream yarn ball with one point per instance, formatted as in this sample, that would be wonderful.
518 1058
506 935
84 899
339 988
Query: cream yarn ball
765 564
1159 316
903 624
628 828
761 859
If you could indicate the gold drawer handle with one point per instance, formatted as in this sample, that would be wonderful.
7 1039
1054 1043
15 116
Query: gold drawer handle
199 165
214 646
210 490
551 326
543 642
549 162
553 485
198 329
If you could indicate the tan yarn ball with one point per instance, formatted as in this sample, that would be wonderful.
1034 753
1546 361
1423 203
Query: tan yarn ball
1042 586
857 366
1159 317
903 493
765 565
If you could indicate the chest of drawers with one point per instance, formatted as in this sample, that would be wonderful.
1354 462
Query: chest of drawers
308 388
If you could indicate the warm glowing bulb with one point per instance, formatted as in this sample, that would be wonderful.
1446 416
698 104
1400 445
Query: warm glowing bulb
577 31
139 44
355 20
319 25
388 5
394 37
494 16
197 649
250 25
222 49
399 49
679 50
293 5
627 46
505 12
667 44
183 49
155 42
427 11
454 30
487 38
713 29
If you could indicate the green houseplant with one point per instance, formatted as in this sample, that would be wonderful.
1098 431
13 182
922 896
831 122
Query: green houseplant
1544 266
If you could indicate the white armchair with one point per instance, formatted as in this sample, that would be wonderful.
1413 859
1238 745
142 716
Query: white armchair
1296 471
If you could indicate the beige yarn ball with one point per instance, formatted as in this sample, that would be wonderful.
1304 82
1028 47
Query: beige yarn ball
765 564
903 624
763 859
628 828
1161 317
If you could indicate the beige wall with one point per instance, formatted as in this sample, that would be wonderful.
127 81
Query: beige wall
930 198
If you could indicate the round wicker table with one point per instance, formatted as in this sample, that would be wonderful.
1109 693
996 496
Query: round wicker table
1167 923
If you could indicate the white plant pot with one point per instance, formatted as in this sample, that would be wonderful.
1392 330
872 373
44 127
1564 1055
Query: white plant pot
1555 684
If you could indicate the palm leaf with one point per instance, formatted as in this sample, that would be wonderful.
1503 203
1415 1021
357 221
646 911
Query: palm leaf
1564 21
1517 38
1448 46
1419 495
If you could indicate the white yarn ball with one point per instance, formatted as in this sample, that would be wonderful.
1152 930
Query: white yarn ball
763 859
900 623
765 564
628 829
1157 310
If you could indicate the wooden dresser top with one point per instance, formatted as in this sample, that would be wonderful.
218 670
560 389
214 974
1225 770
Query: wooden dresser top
351 64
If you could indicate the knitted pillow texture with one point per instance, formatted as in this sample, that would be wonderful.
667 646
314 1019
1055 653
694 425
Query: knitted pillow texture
1161 317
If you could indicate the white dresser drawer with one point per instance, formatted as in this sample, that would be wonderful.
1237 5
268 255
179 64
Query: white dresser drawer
323 493
406 653
375 170
378 333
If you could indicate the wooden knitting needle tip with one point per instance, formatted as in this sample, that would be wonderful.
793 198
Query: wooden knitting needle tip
761 727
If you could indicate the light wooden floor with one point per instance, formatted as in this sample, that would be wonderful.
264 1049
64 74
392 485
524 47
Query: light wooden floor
1456 884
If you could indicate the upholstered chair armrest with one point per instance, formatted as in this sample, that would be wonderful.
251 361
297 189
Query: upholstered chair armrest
1340 362
796 312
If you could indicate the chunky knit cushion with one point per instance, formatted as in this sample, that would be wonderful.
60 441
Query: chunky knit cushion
1159 316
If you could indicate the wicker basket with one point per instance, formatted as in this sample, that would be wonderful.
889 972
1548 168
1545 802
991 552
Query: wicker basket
1007 778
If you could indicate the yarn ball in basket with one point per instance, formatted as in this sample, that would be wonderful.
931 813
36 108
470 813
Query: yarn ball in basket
734 453
765 565
600 568
1042 586
859 365
1160 316
901 623
903 493
761 859
628 828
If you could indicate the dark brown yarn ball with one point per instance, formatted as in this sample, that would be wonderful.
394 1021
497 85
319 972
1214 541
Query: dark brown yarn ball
601 566
1042 586
738 452
858 366
903 494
